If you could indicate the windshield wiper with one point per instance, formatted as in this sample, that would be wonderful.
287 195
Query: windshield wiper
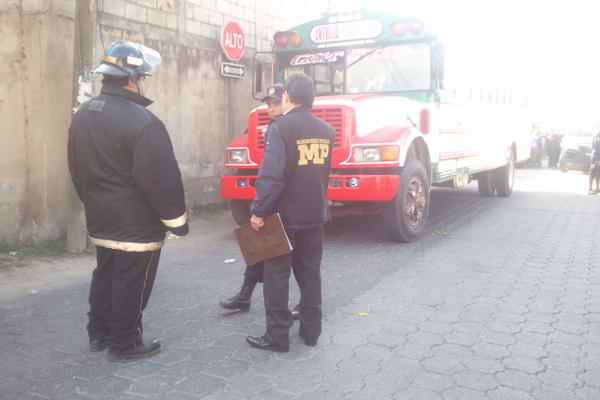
366 55
394 77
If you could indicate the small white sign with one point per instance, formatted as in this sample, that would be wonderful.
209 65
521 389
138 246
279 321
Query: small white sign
346 31
231 70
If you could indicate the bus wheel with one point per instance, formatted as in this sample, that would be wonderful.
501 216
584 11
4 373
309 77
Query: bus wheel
505 178
240 209
406 214
485 183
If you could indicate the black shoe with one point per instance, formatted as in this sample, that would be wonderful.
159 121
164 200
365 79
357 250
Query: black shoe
240 301
295 313
134 352
259 342
98 343
311 343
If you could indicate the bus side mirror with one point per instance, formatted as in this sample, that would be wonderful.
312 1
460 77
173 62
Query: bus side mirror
262 67
258 76
425 121
440 65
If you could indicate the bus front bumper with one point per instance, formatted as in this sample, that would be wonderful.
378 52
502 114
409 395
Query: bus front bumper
341 187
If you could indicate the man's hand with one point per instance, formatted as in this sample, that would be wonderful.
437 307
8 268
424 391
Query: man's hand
257 222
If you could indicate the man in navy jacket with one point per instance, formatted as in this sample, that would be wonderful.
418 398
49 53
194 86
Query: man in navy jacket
293 181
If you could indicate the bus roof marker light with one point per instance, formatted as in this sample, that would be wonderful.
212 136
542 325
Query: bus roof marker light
416 27
398 28
295 40
280 39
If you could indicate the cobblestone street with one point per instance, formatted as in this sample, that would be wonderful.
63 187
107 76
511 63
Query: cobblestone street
499 301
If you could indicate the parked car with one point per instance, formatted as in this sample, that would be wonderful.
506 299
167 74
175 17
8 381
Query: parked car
576 152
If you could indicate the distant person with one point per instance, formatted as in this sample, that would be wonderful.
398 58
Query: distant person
122 165
292 181
254 272
537 149
553 149
595 167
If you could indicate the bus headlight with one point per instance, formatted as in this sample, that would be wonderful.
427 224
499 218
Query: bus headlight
379 153
238 156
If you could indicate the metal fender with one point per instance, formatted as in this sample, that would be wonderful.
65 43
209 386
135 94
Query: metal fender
406 143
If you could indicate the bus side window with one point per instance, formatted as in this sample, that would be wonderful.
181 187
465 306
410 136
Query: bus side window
482 90
295 70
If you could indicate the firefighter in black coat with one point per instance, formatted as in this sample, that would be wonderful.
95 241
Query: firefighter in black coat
293 180
122 165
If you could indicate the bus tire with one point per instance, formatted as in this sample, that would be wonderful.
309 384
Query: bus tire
240 210
485 184
405 216
505 178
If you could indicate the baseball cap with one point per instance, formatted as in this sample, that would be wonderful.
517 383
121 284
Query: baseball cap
275 92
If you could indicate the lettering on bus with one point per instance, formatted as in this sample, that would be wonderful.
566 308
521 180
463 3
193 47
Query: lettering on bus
345 31
313 150
317 58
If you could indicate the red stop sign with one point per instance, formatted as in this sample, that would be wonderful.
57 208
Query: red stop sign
233 41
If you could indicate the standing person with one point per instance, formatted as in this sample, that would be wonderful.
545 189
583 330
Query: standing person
254 272
293 181
122 165
537 148
595 167
553 149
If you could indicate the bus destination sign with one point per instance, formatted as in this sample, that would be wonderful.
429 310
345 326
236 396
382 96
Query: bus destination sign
346 31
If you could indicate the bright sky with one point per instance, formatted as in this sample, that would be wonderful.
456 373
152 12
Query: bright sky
552 44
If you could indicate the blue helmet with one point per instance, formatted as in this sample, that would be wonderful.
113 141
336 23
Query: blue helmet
124 58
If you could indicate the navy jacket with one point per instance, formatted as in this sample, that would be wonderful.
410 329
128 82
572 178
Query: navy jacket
124 170
294 174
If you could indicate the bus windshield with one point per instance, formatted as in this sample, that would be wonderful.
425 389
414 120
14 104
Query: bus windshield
397 68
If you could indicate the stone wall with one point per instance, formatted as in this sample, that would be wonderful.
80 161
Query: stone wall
190 95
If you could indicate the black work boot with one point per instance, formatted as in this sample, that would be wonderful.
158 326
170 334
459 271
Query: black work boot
241 301
98 343
134 352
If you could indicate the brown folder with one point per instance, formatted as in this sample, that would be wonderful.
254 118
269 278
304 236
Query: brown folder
270 241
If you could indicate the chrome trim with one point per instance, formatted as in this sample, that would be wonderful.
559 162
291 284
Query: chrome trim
249 163
371 145
133 247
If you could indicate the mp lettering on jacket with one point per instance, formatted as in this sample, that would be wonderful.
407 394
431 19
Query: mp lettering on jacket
312 150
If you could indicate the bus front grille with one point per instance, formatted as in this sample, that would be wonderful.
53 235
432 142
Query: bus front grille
334 116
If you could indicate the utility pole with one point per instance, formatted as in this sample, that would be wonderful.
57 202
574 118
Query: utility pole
83 61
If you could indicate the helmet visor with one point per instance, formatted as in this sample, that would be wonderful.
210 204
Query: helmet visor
151 58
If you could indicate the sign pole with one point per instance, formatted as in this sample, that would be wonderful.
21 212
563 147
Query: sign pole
233 45
231 109
83 60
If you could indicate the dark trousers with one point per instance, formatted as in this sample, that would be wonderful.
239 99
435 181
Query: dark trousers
305 260
255 271
120 289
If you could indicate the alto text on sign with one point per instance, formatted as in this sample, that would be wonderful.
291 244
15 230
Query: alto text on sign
233 41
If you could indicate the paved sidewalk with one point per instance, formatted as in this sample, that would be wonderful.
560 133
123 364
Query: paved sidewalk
499 301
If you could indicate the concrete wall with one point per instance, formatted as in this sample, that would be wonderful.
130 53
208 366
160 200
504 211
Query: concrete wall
190 95
35 102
